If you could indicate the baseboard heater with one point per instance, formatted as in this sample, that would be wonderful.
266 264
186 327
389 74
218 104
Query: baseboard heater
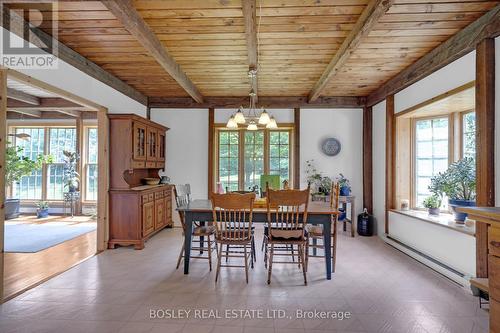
436 265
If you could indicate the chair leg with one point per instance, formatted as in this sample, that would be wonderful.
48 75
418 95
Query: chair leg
270 264
218 263
307 255
252 252
227 252
209 253
180 255
263 243
302 258
246 262
253 249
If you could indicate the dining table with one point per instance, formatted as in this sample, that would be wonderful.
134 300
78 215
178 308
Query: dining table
318 213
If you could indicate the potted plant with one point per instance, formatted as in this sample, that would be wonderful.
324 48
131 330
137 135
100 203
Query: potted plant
16 167
325 185
71 177
458 183
42 209
432 204
313 176
344 185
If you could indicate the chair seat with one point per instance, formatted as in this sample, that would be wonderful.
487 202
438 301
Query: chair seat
287 234
204 230
315 230
242 238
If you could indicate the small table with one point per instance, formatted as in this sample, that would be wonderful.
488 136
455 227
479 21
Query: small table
71 198
349 200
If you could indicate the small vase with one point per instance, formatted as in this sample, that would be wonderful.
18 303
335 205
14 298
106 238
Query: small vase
345 191
433 211
460 217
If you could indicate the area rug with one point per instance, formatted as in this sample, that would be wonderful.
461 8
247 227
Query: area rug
33 237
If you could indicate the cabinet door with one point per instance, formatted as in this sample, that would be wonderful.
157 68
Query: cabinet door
168 209
161 146
159 213
139 141
152 144
148 218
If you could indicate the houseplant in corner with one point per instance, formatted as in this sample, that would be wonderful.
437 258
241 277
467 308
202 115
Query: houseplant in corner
458 183
42 209
432 204
17 166
345 186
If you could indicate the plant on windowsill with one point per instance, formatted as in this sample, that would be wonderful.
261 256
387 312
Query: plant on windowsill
458 183
42 209
17 166
432 204
71 177
344 185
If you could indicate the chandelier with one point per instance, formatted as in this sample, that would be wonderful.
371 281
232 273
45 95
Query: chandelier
251 118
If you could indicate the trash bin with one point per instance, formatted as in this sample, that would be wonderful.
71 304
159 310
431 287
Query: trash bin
365 224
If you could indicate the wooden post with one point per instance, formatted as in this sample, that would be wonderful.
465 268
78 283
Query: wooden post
211 134
296 148
367 160
390 159
103 177
79 165
3 142
485 142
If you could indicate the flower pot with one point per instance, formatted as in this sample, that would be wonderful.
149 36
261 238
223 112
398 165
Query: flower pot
41 213
460 217
433 211
12 208
345 191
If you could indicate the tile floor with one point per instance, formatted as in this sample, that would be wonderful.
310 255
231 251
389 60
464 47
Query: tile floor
383 289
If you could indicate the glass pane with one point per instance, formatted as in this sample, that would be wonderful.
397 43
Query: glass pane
91 185
274 137
284 138
469 135
424 130
55 184
253 159
274 151
228 159
424 149
440 148
223 137
424 167
92 145
61 139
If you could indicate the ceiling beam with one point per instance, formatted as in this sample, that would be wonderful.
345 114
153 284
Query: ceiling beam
42 39
31 113
367 20
125 12
46 104
71 113
250 16
265 101
465 41
22 96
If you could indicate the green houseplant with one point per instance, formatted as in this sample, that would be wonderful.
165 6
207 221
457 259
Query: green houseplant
42 209
71 177
344 185
458 183
432 204
16 167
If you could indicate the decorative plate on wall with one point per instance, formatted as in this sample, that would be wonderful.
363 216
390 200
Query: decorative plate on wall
331 146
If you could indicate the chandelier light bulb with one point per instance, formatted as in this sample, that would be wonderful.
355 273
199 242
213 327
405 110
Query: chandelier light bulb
239 117
231 123
264 118
272 124
252 126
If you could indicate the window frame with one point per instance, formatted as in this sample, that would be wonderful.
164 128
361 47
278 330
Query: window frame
290 128
413 154
461 116
85 163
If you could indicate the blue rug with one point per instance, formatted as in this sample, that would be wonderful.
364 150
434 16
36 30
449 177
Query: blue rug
29 238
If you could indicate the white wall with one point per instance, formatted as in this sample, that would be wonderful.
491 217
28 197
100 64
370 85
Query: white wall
75 81
344 124
378 151
187 147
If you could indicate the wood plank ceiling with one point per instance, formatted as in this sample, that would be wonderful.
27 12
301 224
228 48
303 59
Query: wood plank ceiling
298 38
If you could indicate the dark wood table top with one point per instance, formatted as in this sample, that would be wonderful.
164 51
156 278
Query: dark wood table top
314 207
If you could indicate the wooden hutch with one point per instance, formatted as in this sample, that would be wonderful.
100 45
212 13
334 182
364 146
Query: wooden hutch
137 151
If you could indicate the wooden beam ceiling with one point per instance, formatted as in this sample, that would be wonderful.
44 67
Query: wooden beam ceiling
368 19
250 17
17 25
22 96
125 12
465 41
31 113
265 101
45 104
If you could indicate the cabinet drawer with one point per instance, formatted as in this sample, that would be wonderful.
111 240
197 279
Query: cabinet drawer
494 241
150 164
145 198
137 164
151 196
167 193
158 195
494 276
494 316
160 165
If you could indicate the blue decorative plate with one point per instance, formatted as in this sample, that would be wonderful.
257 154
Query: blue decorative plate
331 146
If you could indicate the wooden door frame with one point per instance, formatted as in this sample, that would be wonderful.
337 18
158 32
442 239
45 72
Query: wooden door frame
103 150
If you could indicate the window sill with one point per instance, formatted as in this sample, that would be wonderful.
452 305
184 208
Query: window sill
444 220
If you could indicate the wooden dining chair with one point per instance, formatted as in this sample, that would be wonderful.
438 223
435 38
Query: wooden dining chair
315 232
199 234
232 215
287 219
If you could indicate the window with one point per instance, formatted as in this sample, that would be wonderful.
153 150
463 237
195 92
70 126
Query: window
30 187
243 156
431 153
469 134
60 139
91 164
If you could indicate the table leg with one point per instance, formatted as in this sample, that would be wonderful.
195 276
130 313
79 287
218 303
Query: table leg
327 240
353 221
187 240
315 242
202 238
